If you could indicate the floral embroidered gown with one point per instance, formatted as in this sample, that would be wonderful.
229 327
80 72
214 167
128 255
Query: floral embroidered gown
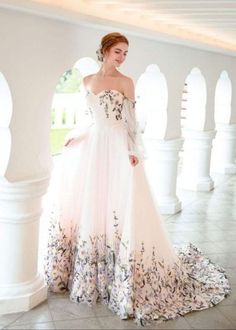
107 241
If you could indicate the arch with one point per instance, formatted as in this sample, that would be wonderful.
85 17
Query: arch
5 119
152 100
223 151
67 103
194 101
86 66
195 159
223 97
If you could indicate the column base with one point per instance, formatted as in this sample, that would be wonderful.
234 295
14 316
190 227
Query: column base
170 207
226 169
162 169
196 160
22 286
224 149
204 184
22 297
230 169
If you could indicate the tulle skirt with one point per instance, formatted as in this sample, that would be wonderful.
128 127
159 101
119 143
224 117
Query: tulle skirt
108 242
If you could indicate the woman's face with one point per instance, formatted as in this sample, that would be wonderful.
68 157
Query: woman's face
116 54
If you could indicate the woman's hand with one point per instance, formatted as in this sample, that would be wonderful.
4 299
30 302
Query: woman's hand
73 138
133 160
70 141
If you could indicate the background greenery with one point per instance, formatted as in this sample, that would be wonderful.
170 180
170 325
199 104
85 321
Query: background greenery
69 82
57 139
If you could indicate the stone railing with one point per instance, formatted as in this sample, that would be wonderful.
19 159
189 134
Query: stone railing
65 109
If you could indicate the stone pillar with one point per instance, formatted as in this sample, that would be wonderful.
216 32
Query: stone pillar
224 149
21 285
162 165
196 160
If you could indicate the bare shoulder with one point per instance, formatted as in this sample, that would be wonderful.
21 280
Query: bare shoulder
128 87
87 79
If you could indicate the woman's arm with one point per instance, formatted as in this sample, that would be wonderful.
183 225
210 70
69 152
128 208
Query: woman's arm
128 88
129 92
85 121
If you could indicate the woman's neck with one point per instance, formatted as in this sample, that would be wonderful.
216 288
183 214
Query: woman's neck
107 70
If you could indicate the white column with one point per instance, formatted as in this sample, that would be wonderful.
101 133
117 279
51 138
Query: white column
162 165
21 286
224 149
196 160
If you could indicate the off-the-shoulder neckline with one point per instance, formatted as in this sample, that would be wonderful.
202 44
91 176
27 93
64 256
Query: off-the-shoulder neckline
110 90
105 90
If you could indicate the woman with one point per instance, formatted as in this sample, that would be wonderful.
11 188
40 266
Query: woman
108 241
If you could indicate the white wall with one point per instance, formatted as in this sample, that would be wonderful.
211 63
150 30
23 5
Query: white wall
35 52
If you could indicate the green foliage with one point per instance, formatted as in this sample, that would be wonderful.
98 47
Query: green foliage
52 116
57 139
64 118
69 82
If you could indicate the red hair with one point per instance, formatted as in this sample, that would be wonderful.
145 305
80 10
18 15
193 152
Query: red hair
108 41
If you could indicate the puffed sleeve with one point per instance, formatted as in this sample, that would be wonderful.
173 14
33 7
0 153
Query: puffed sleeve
135 142
84 118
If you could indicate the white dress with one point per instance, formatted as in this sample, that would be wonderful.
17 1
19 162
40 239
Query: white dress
107 240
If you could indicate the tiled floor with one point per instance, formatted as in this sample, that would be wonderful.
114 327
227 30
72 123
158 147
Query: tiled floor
207 219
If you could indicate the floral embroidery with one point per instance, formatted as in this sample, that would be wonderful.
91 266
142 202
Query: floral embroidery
118 109
58 260
117 105
133 284
131 278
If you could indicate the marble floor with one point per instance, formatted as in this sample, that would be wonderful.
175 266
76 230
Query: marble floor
207 219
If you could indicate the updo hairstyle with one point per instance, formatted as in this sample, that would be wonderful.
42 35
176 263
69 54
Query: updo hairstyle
108 41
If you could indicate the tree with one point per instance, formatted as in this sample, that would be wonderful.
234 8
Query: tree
69 82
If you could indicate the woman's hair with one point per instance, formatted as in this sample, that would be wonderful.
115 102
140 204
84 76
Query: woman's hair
108 41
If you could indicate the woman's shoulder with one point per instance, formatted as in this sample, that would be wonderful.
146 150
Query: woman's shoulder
87 78
125 78
128 86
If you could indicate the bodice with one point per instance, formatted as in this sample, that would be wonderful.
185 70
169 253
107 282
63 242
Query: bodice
107 108
112 109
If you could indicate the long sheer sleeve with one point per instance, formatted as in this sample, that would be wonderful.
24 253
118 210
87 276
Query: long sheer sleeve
84 118
135 142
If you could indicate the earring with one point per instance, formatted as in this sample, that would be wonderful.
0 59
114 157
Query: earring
99 55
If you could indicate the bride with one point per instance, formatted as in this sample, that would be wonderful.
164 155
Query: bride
107 240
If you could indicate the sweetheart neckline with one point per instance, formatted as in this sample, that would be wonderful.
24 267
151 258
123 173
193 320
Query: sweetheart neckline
110 89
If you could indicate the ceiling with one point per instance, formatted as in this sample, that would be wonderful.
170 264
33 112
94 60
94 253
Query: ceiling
206 24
